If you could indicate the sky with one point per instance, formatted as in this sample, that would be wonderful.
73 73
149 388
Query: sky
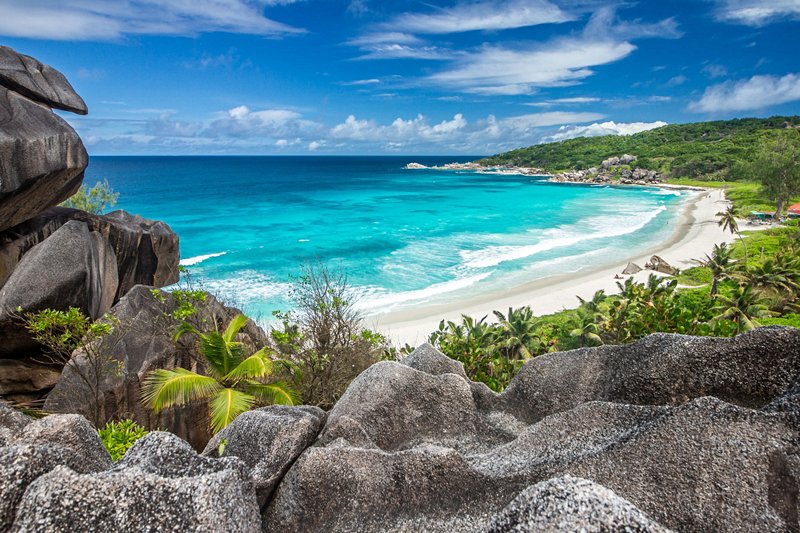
372 77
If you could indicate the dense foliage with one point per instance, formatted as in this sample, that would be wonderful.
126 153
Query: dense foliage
731 295
118 437
703 149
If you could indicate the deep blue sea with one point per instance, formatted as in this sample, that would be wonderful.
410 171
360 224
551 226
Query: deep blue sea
404 237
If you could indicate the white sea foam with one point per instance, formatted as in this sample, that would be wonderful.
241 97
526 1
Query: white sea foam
378 299
593 228
196 260
247 286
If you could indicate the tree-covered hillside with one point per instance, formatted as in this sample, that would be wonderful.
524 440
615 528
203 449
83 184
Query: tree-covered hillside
701 149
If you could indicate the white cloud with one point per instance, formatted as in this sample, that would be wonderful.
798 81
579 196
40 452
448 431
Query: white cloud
565 62
757 12
576 100
498 69
481 15
404 51
241 121
371 81
758 92
604 128
88 20
715 71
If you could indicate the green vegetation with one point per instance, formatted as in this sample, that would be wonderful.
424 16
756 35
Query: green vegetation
324 337
235 385
776 166
95 200
762 291
63 333
702 149
118 437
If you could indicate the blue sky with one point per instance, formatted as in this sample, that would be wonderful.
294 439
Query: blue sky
404 77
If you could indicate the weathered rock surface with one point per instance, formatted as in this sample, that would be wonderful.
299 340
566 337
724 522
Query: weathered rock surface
143 342
660 265
655 437
42 159
147 251
160 485
690 434
37 81
570 504
269 440
31 448
21 377
428 359
631 268
75 267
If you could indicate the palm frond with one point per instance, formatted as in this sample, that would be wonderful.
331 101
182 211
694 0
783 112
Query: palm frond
258 365
183 329
226 405
233 328
223 356
164 388
277 393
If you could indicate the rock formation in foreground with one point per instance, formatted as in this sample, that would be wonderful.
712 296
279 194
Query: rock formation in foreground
53 257
669 433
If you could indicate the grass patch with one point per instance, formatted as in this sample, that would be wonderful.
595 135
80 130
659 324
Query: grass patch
786 320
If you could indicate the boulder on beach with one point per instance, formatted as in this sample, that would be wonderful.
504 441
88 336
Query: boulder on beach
660 265
632 268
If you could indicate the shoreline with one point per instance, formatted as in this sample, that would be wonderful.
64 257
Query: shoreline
695 234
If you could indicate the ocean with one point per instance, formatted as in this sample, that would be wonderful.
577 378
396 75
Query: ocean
403 237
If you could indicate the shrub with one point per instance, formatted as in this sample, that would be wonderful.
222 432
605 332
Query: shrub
95 200
117 437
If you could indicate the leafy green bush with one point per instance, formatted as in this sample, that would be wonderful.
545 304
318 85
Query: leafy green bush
117 437
93 200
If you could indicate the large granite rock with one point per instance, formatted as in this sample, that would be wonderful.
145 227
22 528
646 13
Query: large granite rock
269 440
147 251
571 504
39 82
20 377
143 342
160 485
42 159
75 267
655 437
32 448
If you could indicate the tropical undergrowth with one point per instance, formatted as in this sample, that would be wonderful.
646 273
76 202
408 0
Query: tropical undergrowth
724 295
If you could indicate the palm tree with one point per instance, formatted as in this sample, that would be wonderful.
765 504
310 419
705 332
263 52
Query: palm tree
742 308
720 263
727 219
588 330
236 383
518 335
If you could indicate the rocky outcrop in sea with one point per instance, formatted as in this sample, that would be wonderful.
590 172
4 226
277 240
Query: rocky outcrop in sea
53 257
668 433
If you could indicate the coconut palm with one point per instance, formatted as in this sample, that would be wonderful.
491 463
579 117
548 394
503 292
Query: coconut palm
742 307
236 383
720 263
727 219
517 334
588 330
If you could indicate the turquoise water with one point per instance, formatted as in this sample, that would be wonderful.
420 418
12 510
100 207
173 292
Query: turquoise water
404 237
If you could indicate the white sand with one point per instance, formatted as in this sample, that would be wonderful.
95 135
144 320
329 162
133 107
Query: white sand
695 234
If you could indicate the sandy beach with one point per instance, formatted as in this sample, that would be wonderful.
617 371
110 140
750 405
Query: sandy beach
696 232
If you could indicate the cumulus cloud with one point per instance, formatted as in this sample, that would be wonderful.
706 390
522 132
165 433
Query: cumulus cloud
88 20
603 128
757 12
482 15
758 92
